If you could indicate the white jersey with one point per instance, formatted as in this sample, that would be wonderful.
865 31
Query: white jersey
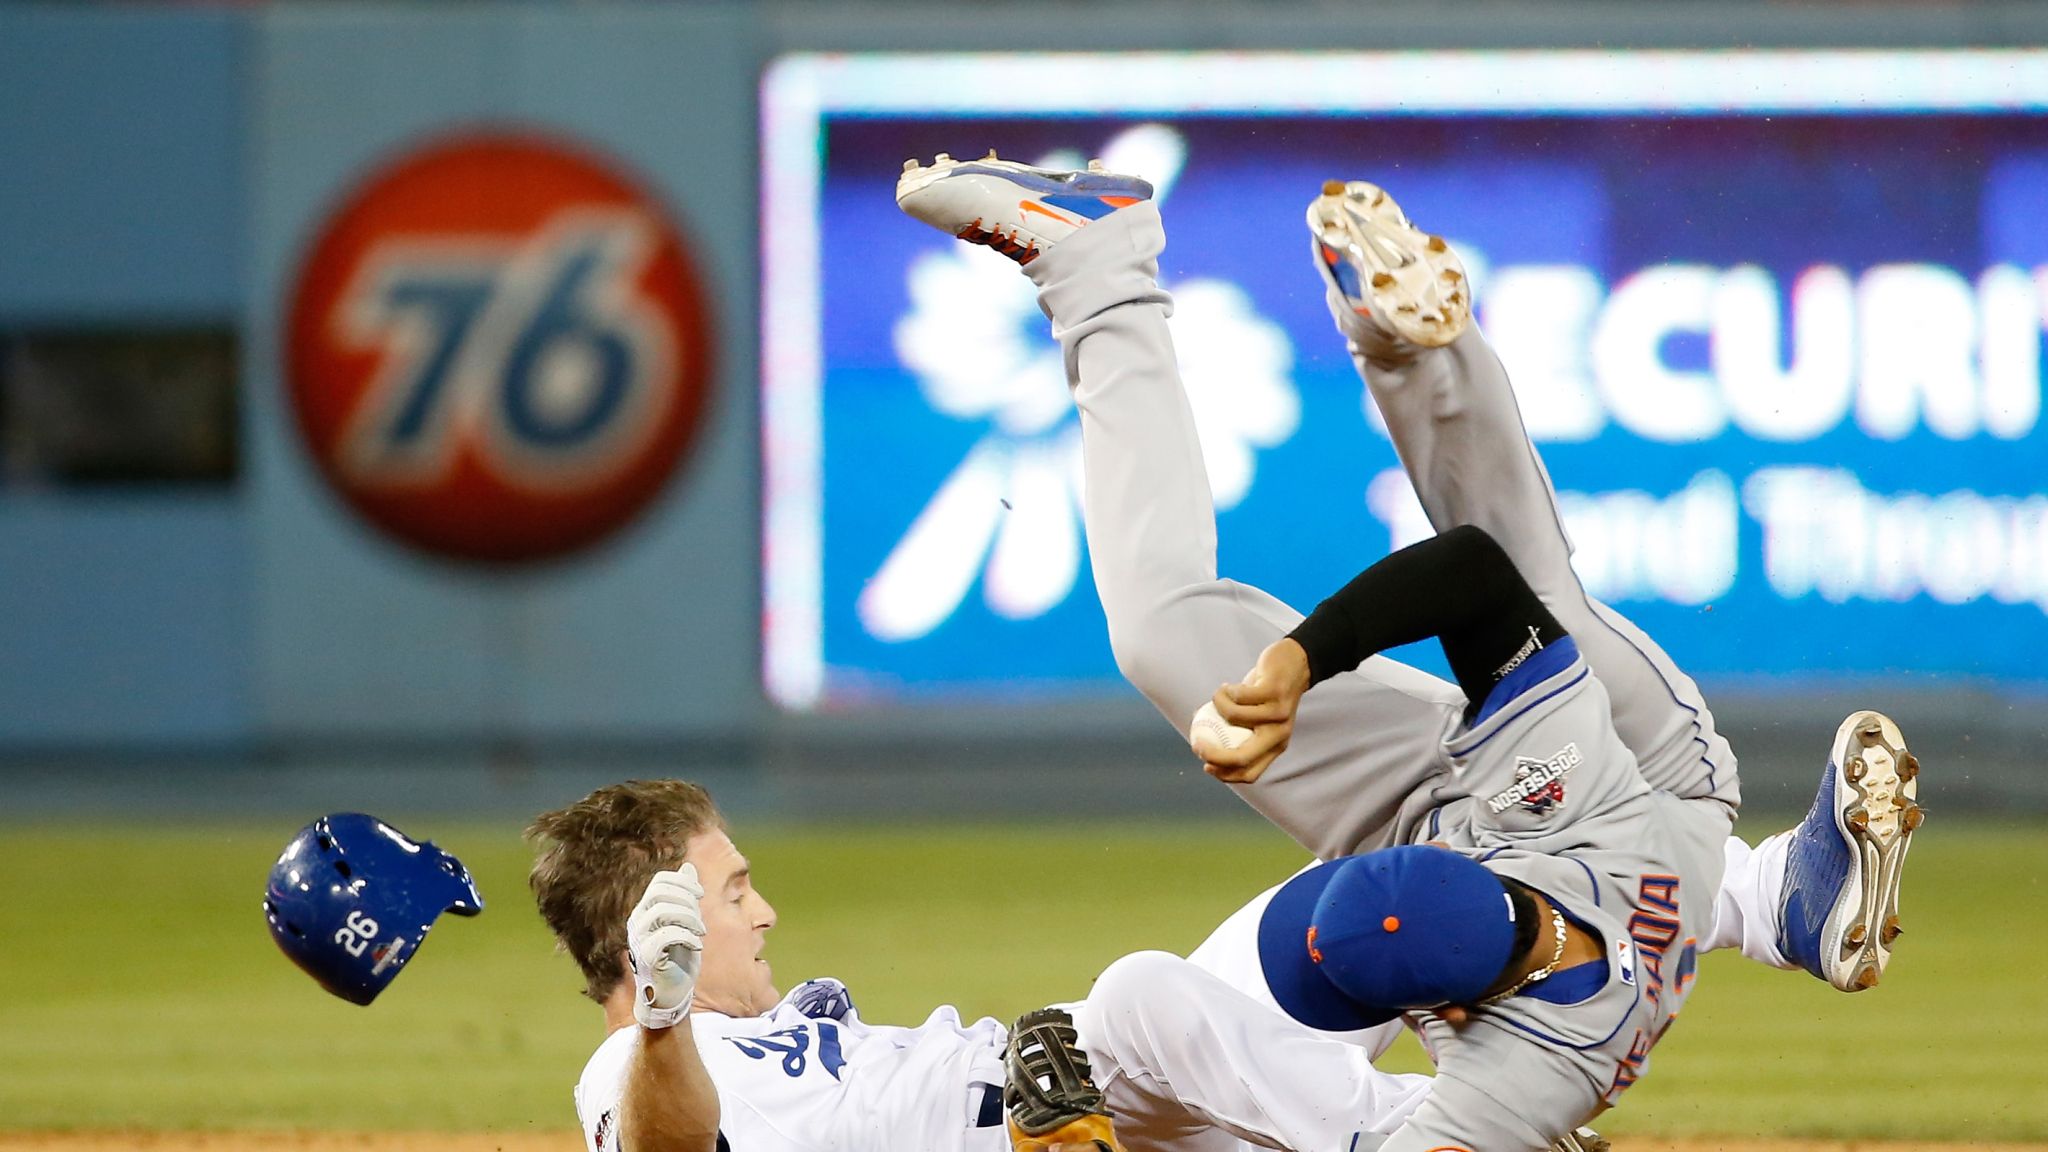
810 1076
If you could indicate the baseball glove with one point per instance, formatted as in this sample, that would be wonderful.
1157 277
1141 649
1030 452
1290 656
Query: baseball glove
1048 1076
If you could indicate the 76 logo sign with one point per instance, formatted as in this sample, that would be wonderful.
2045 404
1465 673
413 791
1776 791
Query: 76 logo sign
497 349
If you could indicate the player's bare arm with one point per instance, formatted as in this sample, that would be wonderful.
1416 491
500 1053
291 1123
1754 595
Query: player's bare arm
669 1103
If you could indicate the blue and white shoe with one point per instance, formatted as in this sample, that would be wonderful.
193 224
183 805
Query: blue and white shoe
1842 869
1015 209
1395 289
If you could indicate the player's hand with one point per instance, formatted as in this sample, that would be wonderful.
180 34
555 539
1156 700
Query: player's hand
1265 701
665 945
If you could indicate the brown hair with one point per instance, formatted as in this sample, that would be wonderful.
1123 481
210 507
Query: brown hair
594 859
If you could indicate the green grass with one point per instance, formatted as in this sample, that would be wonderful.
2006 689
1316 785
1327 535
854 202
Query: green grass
138 987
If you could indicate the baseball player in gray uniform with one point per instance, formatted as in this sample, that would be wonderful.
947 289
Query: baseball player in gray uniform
1581 773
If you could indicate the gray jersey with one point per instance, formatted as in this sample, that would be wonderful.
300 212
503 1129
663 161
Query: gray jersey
1557 802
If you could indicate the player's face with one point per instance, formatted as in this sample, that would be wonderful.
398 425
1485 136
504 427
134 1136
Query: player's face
734 979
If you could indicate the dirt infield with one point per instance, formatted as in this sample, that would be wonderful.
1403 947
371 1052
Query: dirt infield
568 1142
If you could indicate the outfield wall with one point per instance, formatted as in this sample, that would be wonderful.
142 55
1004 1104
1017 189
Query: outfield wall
214 169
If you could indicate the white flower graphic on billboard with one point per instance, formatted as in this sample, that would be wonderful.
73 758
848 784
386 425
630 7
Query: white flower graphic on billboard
1010 512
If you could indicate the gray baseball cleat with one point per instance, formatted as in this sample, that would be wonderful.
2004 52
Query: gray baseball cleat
1394 289
1016 209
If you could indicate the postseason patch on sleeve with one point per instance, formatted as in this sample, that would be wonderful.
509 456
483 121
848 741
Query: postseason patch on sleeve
1539 784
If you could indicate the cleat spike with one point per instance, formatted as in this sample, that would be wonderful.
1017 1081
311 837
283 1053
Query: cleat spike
991 155
1891 931
1914 817
1095 165
942 158
1866 978
1870 733
1856 936
1859 820
1909 766
1436 244
1449 276
1333 187
1855 770
910 165
1382 280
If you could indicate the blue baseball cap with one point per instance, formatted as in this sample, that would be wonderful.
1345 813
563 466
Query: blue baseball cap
1357 941
351 898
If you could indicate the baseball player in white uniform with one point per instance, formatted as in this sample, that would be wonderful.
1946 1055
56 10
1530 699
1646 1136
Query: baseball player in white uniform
702 1054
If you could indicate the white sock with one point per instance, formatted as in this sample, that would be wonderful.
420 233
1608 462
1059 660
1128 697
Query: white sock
1751 902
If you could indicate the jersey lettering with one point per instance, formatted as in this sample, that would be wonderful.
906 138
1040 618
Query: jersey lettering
1660 892
828 1050
1632 1065
1652 932
1688 967
793 1045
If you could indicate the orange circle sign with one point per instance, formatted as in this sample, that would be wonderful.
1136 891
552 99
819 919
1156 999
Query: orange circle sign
497 349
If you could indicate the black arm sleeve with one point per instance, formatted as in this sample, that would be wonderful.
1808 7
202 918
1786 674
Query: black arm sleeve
1459 587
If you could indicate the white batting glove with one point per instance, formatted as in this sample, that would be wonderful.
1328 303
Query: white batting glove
665 943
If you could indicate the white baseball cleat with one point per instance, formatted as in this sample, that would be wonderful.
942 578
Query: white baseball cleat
1015 209
1842 870
1395 289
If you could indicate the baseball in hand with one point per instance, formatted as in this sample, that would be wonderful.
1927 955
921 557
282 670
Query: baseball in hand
1211 731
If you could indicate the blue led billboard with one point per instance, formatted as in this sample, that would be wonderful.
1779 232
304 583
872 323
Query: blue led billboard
1775 321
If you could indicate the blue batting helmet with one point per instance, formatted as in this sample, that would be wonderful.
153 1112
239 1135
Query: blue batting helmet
351 899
